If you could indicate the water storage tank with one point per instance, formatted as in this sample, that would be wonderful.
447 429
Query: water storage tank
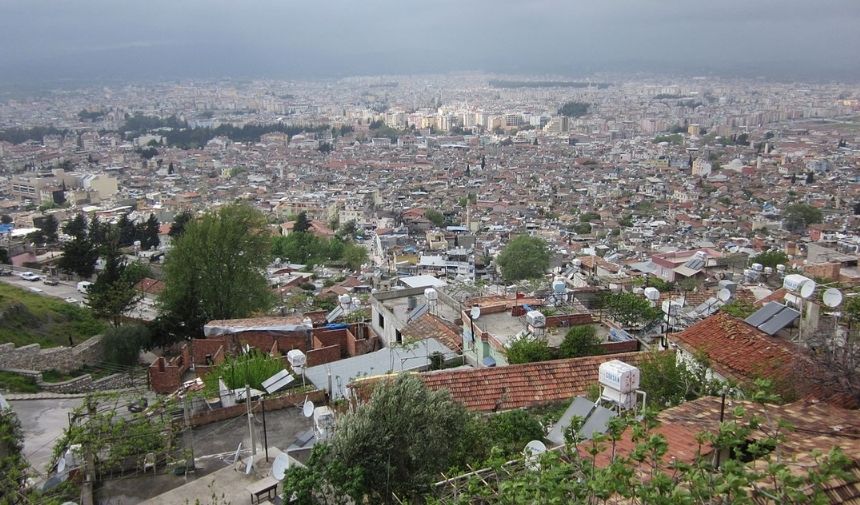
671 307
559 287
411 303
619 376
535 318
768 270
576 263
652 294
794 282
757 267
344 300
780 269
431 294
296 358
702 255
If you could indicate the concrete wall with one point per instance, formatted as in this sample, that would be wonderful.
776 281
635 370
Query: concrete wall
276 403
63 359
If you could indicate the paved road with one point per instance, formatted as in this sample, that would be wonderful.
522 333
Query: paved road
68 291
43 422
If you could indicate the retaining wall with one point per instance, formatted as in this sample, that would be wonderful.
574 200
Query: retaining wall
63 359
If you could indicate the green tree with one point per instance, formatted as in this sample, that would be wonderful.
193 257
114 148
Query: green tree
582 228
5 219
510 431
50 226
114 294
629 309
354 256
76 227
738 308
348 230
435 217
123 344
302 223
215 270
13 466
771 258
524 257
149 239
528 349
399 442
669 382
97 231
579 341
79 257
797 217
127 231
177 228
573 109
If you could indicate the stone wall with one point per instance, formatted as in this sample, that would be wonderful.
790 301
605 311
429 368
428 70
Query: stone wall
84 383
63 359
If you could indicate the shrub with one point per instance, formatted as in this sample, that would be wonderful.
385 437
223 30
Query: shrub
123 344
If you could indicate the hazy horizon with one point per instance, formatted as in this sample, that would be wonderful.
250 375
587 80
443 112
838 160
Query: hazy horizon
100 39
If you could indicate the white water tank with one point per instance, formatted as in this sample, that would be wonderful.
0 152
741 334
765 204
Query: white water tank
702 255
652 294
576 263
431 294
671 307
536 319
344 300
619 376
768 270
757 267
559 287
296 358
794 282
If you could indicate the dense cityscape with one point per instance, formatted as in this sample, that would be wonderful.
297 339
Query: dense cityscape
440 287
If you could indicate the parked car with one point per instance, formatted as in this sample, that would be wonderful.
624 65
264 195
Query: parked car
30 276
83 286
50 281
6 271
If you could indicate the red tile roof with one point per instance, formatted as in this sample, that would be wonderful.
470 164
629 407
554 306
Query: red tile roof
518 386
739 351
430 326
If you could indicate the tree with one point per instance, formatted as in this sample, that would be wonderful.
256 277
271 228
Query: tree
177 228
49 227
215 270
435 217
573 109
302 223
628 309
771 258
97 231
528 349
524 257
399 442
123 344
810 177
325 148
149 239
669 382
510 431
114 293
13 466
6 219
127 231
580 341
797 217
76 227
354 256
483 161
348 230
79 257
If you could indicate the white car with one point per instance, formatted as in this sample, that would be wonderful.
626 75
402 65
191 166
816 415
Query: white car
30 276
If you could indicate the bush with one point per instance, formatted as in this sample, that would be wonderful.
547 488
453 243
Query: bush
511 431
528 349
123 344
580 341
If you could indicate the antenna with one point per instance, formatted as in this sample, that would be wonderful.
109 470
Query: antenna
832 297
308 408
532 452
280 466
724 295
807 289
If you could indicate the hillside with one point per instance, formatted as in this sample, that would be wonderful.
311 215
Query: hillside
31 318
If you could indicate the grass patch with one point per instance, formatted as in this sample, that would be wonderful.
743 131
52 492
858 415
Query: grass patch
14 383
96 372
30 318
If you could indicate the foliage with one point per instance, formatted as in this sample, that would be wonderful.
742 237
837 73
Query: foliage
215 270
797 217
528 349
658 283
669 382
123 344
21 135
13 466
581 228
114 293
573 109
302 223
738 308
251 368
587 217
628 309
435 217
177 228
580 341
524 257
30 318
14 383
675 138
149 234
49 227
771 258
309 249
399 442
510 431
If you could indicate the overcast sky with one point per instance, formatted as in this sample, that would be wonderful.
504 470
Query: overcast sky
74 39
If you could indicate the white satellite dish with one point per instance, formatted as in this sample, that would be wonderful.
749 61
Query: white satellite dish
280 466
61 464
532 453
308 408
724 295
807 289
475 313
832 297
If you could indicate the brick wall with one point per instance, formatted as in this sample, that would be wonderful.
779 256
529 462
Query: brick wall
323 355
165 376
829 271
276 403
619 347
202 347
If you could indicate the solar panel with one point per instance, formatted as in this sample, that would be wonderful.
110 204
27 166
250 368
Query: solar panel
334 314
782 319
708 307
695 263
764 314
580 407
596 422
420 311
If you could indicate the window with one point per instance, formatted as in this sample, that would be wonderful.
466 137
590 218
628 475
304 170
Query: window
381 320
398 336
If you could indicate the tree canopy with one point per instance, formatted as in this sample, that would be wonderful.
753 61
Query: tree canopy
524 257
797 217
771 258
215 269
573 109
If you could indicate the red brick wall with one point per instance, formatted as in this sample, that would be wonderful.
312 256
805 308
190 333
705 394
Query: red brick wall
829 271
323 355
276 403
619 347
166 376
200 347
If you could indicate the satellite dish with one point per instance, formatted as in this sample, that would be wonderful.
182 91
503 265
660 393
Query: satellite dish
832 297
308 408
807 289
724 295
475 313
532 453
280 466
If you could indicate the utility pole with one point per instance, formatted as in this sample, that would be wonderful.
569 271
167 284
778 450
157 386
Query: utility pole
250 419
265 432
189 435
89 461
